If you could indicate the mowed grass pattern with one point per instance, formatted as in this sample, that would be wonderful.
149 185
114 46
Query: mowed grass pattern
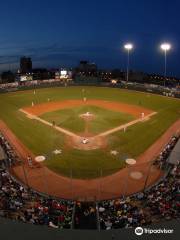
42 139
103 119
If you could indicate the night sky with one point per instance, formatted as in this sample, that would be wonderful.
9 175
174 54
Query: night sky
60 33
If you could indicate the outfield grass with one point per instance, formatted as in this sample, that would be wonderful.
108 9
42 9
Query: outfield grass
103 119
42 139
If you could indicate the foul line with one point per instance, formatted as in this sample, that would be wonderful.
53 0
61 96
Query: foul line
31 116
124 126
106 133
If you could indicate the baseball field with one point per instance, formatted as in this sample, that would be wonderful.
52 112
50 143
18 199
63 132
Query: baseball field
117 124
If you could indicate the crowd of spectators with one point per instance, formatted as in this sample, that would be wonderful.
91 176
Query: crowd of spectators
20 203
161 160
11 157
85 216
9 85
34 83
160 202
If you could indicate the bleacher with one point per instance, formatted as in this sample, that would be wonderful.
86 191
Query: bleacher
161 202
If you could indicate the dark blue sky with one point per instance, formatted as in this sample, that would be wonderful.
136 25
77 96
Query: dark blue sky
59 33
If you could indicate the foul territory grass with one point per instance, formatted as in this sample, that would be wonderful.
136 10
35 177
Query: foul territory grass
42 139
71 119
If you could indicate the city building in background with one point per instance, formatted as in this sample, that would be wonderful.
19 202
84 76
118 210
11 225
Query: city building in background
85 66
85 73
25 65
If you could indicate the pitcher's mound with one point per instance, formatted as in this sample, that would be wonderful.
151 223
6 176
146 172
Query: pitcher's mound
87 116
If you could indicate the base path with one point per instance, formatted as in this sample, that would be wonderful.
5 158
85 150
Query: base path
44 180
94 142
121 127
62 130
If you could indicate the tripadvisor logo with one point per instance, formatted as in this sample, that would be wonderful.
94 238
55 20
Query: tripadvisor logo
139 231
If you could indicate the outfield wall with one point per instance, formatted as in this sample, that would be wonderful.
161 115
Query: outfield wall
160 90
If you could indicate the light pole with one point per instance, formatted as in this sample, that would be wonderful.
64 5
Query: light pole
165 47
128 47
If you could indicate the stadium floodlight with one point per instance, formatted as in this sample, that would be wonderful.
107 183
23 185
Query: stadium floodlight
165 47
128 47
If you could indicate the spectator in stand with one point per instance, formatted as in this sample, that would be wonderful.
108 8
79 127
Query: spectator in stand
17 202
160 202
20 203
163 156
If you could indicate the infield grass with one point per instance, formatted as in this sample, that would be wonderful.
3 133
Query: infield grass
103 119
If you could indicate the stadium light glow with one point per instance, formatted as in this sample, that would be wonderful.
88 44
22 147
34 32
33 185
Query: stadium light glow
165 46
128 46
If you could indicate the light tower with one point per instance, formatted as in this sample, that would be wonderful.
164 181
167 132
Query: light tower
165 47
128 47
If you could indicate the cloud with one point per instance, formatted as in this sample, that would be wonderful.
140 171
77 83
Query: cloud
8 59
57 49
50 54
